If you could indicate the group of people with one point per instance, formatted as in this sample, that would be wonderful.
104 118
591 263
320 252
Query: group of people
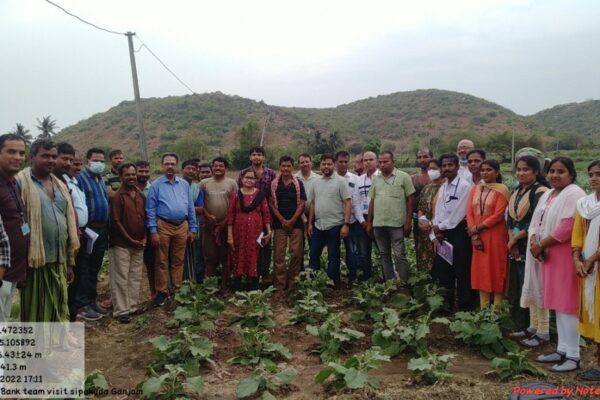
534 245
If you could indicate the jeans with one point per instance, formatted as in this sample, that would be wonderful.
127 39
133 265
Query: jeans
364 246
391 242
331 239
199 267
351 247
84 288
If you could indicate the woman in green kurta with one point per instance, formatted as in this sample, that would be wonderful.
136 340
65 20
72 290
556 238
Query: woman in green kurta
520 210
426 208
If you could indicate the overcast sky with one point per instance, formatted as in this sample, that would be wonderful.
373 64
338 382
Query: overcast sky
524 55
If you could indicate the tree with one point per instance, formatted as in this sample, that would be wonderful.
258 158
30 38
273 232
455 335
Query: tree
22 133
47 126
248 136
190 146
373 145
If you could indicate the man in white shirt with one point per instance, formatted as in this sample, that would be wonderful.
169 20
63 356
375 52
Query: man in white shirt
462 149
449 224
342 159
364 240
63 170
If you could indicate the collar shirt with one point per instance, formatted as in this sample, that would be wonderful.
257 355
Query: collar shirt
96 196
14 223
329 194
171 201
464 173
364 186
78 200
352 180
451 205
390 195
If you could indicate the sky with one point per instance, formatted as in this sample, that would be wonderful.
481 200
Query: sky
524 55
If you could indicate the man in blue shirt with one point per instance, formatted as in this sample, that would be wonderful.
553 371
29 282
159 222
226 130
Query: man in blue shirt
83 293
171 219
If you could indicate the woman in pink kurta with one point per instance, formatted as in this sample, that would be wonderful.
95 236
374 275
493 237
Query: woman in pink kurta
486 224
552 245
247 216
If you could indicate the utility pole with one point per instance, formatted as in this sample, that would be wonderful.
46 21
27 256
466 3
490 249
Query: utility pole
512 152
136 92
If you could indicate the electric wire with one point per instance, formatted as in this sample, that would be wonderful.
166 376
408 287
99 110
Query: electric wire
83 20
163 64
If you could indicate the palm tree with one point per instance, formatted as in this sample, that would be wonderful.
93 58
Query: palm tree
22 133
47 126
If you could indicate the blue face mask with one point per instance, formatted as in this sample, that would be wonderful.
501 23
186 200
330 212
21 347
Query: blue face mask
96 167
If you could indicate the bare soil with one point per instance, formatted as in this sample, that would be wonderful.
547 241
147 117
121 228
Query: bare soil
122 353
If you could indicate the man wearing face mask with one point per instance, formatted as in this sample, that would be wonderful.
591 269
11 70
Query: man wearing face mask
462 149
83 303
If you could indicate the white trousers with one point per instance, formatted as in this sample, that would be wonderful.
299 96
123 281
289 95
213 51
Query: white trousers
567 326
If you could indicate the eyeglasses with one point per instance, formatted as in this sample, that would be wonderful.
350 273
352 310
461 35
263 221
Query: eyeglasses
250 177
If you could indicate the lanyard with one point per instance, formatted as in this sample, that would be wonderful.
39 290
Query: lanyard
482 201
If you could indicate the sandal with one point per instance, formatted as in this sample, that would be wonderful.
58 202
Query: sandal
590 374
124 319
557 367
551 358
533 341
524 334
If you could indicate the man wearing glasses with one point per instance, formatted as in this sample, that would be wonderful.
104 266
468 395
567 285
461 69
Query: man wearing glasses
449 225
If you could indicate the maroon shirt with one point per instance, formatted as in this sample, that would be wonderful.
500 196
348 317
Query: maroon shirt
128 217
13 215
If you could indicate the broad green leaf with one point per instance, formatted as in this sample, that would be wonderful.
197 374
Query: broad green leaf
161 343
247 387
182 314
286 376
152 386
488 352
323 375
419 364
355 379
312 330
374 382
195 385
268 396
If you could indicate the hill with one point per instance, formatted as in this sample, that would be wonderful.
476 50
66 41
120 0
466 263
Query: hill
400 120
575 118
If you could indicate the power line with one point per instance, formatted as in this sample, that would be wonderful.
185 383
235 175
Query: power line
83 20
125 34
163 64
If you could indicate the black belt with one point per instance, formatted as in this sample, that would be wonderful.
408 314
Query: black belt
173 222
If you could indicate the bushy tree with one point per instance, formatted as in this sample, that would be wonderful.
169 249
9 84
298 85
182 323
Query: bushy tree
190 146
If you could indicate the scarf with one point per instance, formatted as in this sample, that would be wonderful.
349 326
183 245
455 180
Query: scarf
563 206
32 202
255 202
520 211
498 187
589 209
274 184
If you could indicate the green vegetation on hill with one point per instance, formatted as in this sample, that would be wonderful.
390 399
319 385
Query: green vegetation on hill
208 124
574 119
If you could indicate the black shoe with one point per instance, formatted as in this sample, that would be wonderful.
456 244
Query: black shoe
99 309
160 299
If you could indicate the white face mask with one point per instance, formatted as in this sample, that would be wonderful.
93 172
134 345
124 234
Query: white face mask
97 167
434 174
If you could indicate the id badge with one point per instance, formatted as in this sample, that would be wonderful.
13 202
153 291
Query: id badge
515 231
365 207
25 229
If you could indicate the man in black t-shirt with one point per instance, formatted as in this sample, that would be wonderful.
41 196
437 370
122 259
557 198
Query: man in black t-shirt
287 204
